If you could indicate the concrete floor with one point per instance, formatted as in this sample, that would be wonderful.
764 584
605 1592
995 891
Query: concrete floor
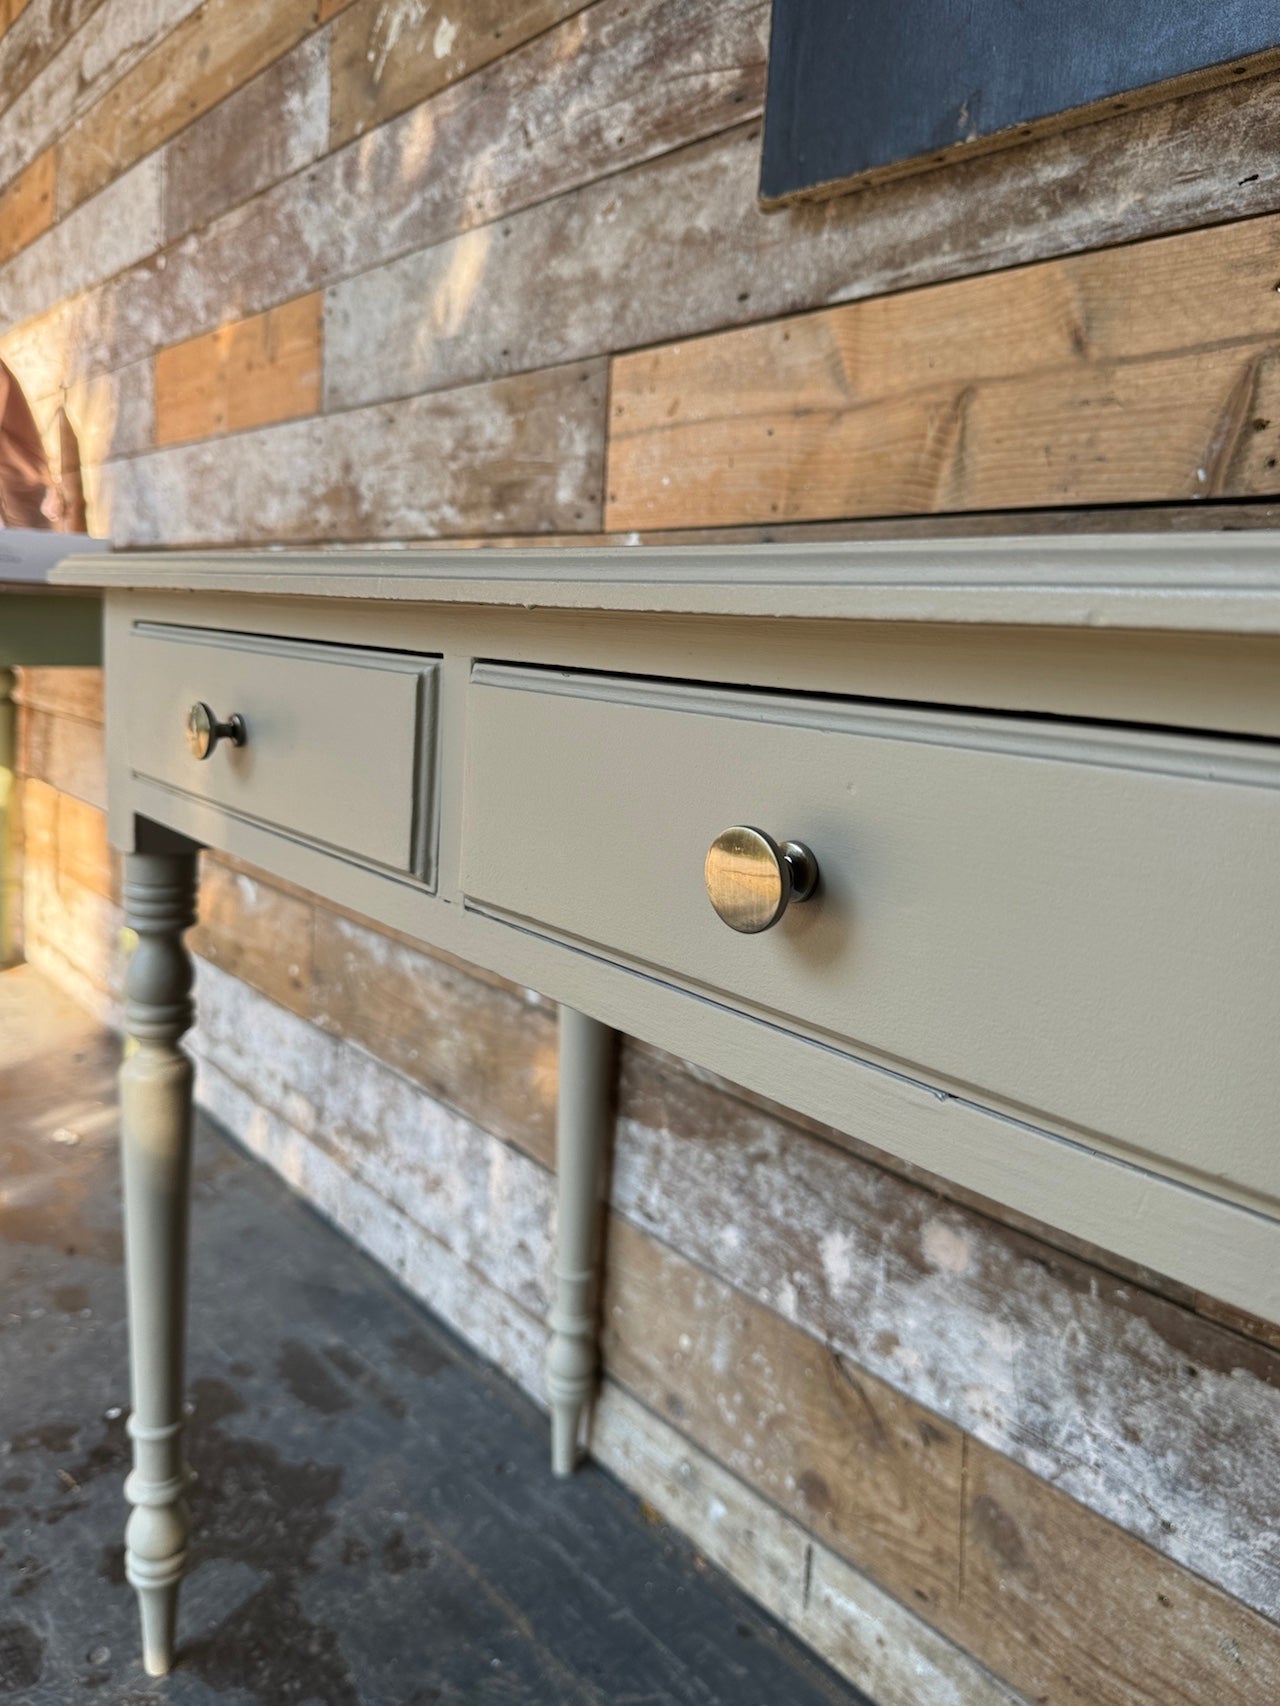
375 1518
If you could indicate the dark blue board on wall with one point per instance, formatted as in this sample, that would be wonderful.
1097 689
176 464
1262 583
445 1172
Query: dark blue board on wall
863 90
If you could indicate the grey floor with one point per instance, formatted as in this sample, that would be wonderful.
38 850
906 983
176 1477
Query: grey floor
375 1516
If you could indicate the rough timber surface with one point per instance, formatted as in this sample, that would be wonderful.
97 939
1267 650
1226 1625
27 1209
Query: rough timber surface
376 1518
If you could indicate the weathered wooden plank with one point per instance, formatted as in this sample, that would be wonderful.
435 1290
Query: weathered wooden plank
27 206
10 12
389 55
256 933
871 1639
113 232
519 455
863 1468
221 45
487 1052
688 223
62 692
246 374
386 195
269 128
818 1437
64 752
70 935
113 39
27 46
1067 1370
1140 373
84 853
477 1197
1074 1611
462 1294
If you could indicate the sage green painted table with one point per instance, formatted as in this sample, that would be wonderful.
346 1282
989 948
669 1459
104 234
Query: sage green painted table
40 627
968 848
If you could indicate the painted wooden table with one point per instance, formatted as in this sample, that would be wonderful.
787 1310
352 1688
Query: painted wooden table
966 848
39 627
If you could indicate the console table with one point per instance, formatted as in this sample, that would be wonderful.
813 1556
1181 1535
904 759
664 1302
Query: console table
970 849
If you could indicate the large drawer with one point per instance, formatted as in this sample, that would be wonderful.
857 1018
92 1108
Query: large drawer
340 747
1076 922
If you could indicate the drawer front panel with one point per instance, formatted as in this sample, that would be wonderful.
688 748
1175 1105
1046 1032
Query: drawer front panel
340 741
1075 921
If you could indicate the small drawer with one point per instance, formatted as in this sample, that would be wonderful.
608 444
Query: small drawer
339 746
1070 920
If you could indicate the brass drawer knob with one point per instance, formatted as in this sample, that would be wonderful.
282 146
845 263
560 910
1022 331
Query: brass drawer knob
751 880
204 731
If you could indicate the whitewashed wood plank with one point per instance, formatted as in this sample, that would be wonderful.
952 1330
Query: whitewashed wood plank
460 1295
689 226
688 230
488 1204
114 38
520 455
269 128
42 28
117 228
874 1641
1049 1361
618 87
112 415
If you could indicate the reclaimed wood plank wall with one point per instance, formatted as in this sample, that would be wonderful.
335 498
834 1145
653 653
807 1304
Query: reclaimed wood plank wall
395 269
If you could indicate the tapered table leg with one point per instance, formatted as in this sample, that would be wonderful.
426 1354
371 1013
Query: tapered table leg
583 1121
155 1106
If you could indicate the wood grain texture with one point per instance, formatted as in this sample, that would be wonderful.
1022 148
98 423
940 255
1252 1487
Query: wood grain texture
863 1468
477 1197
248 374
1038 1355
388 55
488 1052
62 693
267 129
108 235
113 38
522 454
10 12
818 1436
873 1640
254 931
64 752
691 222
1035 1565
1137 373
27 205
218 47
389 194
45 29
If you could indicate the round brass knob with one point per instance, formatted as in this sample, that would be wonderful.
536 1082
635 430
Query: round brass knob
204 731
751 880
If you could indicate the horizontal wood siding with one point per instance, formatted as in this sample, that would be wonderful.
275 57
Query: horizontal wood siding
248 374
379 270
1139 373
27 207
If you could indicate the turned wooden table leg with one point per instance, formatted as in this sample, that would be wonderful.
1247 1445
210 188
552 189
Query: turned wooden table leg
582 1131
155 1106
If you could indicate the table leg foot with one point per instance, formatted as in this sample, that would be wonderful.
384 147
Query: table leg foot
155 1109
